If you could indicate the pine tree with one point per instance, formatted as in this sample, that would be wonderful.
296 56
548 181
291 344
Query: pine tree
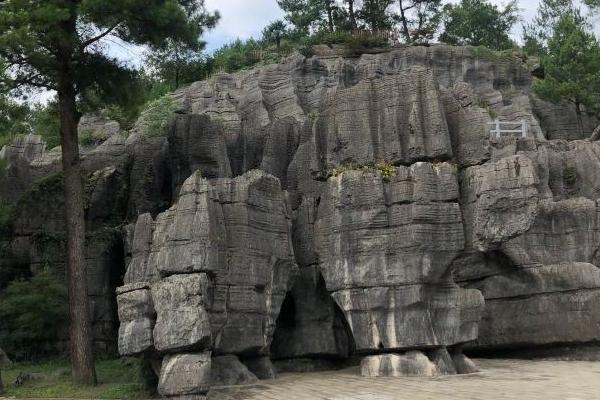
419 19
57 45
479 23
571 68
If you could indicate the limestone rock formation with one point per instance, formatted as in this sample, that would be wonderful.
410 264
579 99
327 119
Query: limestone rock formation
137 316
185 375
219 264
97 127
301 213
413 363
385 249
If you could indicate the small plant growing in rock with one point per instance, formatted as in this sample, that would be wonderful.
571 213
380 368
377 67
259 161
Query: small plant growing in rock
86 138
340 169
386 169
157 116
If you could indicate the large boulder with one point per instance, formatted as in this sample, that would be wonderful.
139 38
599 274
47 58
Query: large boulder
385 247
220 261
187 374
182 322
137 316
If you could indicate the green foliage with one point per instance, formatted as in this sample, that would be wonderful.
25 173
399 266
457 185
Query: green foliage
538 31
386 169
157 116
571 66
375 16
479 23
274 33
304 15
14 118
237 55
46 123
176 65
419 19
120 378
86 138
60 45
33 314
364 40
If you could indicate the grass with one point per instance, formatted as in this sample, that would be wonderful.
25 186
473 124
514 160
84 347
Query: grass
120 378
385 169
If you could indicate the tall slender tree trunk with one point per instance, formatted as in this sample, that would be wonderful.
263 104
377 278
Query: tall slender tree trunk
80 332
329 14
352 14
80 329
404 22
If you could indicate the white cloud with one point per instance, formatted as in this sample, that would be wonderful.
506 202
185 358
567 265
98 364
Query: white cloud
240 19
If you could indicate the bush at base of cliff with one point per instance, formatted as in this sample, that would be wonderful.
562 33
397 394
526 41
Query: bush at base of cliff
33 314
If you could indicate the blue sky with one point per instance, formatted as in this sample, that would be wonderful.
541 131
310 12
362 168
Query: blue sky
240 18
246 18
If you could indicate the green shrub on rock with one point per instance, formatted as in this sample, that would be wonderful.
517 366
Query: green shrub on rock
157 116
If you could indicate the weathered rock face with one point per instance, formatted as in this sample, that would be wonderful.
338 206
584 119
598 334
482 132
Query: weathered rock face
185 375
97 127
414 363
376 176
539 270
137 316
220 262
385 249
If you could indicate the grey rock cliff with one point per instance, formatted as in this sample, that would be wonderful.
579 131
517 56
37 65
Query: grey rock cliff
335 206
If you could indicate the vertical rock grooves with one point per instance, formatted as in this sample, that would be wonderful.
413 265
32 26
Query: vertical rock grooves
324 207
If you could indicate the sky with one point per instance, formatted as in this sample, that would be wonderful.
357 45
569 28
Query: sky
246 18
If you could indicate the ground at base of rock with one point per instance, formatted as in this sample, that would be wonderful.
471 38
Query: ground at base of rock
498 379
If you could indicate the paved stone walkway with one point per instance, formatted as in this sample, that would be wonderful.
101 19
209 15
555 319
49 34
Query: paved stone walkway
499 380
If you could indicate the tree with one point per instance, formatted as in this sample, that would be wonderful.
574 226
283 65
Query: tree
15 118
274 32
351 14
177 64
571 68
304 15
537 32
419 19
57 45
479 23
375 15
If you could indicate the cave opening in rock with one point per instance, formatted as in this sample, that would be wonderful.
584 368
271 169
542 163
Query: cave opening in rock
311 331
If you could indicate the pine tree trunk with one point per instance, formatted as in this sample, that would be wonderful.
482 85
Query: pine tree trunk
1 384
80 332
404 23
328 5
352 14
